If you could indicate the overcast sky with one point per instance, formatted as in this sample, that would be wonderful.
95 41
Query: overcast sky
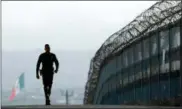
68 25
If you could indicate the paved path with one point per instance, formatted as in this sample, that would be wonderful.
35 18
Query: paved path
87 106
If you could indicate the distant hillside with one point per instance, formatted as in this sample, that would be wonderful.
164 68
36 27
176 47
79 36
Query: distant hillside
74 66
37 97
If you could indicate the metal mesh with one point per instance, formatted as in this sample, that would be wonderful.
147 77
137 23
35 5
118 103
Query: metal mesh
159 15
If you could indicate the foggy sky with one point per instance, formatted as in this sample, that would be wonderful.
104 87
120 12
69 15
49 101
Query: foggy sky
65 24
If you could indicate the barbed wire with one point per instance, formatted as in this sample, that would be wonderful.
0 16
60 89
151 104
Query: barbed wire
159 15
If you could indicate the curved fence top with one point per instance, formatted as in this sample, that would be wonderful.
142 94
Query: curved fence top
160 14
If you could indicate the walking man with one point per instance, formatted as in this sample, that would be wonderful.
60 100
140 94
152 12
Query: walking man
47 72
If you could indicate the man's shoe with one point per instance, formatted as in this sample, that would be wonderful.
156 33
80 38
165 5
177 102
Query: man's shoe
48 102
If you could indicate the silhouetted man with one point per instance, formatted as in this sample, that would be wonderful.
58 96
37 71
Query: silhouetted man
47 72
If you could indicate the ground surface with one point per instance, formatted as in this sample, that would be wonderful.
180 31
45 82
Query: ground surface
87 106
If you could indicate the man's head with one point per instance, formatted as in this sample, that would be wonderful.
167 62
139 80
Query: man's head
47 48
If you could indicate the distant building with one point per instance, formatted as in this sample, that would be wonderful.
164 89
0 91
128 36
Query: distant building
141 63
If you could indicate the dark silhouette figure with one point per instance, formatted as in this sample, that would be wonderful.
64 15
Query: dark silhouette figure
47 72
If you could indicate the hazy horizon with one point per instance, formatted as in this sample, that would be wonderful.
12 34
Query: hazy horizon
69 67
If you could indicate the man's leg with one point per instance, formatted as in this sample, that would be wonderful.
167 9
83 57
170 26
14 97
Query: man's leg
46 89
50 84
49 89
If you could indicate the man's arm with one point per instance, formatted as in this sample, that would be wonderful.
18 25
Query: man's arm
56 62
38 65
